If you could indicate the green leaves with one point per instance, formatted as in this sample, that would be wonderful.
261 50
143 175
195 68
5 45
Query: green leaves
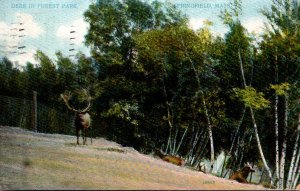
281 89
252 98
231 16
113 23
123 110
283 17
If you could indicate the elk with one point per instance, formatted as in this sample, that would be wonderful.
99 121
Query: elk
242 175
169 158
82 117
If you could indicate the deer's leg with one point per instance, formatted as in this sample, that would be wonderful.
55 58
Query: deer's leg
242 180
245 181
83 135
90 133
77 134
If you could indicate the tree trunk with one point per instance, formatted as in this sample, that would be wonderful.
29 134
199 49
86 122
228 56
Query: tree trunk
191 141
234 138
259 146
212 151
179 145
283 151
277 142
233 141
224 164
174 142
254 122
237 130
197 136
168 117
277 151
209 124
296 179
200 151
241 149
293 165
296 165
291 179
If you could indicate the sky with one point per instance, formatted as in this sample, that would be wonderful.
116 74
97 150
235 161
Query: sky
30 25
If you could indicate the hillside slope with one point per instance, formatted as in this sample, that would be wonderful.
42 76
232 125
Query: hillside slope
31 160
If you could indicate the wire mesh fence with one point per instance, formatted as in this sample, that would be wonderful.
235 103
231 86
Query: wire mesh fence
18 112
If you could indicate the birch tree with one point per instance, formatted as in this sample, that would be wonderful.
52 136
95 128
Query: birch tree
191 52
251 98
294 164
283 27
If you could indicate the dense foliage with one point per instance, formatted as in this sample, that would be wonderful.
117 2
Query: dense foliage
156 83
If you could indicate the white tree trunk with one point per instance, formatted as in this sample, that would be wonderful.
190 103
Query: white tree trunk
179 145
169 117
282 163
212 151
296 165
295 174
296 179
277 143
259 146
190 153
283 151
209 124
174 142
170 131
293 163
254 122
237 130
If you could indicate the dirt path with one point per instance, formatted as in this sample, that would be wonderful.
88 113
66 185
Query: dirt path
43 161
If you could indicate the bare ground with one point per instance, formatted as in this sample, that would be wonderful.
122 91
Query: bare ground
31 160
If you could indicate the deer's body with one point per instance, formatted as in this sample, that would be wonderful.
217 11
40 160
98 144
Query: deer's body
82 123
82 117
242 175
169 158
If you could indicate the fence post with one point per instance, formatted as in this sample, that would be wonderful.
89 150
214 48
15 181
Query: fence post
34 112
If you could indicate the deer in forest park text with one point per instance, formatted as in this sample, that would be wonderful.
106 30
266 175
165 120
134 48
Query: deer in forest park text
242 175
82 117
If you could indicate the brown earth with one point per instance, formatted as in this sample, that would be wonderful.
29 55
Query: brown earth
31 160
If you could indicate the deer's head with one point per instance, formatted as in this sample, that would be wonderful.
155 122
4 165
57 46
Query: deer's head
67 96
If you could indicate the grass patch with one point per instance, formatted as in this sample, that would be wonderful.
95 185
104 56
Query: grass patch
71 144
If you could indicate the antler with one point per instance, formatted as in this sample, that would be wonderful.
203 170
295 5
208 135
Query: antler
89 98
67 97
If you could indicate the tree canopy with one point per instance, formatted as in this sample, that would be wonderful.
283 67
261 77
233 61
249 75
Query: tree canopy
156 83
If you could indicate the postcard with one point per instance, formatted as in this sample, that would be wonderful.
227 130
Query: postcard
149 94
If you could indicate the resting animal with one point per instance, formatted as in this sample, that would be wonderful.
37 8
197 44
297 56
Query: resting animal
242 175
169 158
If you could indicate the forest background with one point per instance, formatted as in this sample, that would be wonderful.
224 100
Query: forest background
156 83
